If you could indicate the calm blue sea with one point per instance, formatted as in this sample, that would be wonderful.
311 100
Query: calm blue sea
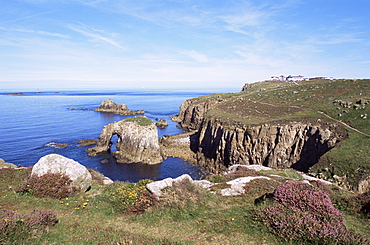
30 122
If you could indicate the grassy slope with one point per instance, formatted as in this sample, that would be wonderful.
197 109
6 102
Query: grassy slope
277 102
86 219
208 219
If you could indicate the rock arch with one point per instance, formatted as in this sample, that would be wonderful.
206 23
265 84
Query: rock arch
136 143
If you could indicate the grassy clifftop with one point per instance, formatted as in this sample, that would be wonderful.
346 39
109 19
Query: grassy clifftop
345 103
275 101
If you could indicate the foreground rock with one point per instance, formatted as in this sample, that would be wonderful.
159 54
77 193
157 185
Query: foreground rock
54 163
121 109
236 186
157 186
4 164
137 141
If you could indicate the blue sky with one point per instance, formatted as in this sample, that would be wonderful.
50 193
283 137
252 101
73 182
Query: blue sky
118 44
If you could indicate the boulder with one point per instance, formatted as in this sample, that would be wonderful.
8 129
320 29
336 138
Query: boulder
4 164
157 186
237 185
235 167
54 163
121 109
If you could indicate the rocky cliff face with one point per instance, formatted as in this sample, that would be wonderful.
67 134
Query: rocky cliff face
121 109
296 144
136 143
192 112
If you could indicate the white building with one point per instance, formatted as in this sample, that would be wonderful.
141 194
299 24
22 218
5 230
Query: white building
295 78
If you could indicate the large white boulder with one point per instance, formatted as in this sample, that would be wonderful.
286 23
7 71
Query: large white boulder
54 163
157 186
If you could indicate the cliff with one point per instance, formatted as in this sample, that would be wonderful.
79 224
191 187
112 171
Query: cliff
121 109
285 125
297 145
137 141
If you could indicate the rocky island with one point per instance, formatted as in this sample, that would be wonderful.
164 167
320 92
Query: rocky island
137 141
283 124
111 107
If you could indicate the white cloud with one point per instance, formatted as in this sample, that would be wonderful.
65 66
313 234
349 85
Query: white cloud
195 55
37 32
95 34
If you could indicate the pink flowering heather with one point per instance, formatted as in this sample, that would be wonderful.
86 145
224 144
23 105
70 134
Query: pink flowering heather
16 228
54 185
304 213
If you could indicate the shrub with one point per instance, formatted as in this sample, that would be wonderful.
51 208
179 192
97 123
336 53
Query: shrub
242 172
352 204
133 197
54 185
15 228
217 178
304 213
182 194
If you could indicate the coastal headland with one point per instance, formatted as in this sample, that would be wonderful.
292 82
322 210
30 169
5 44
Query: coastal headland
317 126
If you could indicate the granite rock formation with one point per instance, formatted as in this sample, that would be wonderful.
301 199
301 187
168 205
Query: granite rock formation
54 163
136 143
121 109
296 144
178 146
4 164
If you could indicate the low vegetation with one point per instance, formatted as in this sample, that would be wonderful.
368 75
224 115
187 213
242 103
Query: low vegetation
126 213
142 121
54 185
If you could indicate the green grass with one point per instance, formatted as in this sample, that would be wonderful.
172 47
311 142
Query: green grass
141 120
185 215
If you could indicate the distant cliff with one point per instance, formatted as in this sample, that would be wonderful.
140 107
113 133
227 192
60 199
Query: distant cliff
121 109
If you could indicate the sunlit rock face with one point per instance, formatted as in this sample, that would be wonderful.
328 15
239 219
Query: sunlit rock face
54 163
136 143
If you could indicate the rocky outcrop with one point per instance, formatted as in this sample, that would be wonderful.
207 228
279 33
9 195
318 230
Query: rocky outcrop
54 163
178 146
156 187
192 112
4 164
136 143
121 109
162 123
297 145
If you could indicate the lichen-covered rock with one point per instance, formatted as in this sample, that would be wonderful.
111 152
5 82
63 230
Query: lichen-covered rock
4 164
136 143
237 185
156 186
112 107
54 163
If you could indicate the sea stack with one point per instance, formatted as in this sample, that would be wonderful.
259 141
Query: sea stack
111 107
137 141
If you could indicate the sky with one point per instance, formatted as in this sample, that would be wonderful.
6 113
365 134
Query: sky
190 44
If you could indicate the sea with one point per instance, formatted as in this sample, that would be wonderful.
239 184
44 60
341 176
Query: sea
31 125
